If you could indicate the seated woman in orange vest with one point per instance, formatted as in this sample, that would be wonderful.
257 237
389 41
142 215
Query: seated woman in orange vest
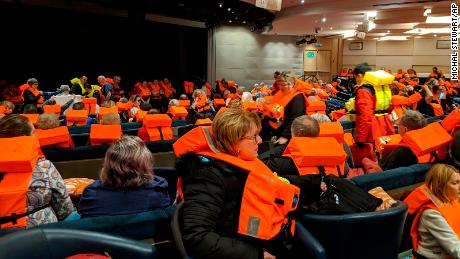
216 166
176 111
201 104
9 107
142 132
127 185
32 95
293 105
47 198
436 228
403 156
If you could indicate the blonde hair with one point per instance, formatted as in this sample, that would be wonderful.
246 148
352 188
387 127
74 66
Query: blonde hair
110 119
48 121
235 104
7 105
108 104
230 126
127 164
437 178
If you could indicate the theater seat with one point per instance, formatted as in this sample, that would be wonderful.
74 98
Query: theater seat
375 235
61 243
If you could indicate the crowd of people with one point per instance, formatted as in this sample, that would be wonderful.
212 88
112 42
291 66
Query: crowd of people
224 179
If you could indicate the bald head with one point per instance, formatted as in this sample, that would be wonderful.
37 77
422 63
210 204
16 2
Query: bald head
305 126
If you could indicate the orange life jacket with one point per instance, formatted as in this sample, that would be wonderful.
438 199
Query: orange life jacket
177 112
59 137
221 86
311 154
420 200
18 157
335 115
156 91
140 115
250 106
399 104
158 127
55 108
218 102
209 88
143 91
123 107
302 86
117 93
109 80
105 110
316 107
33 118
202 104
331 129
167 89
275 109
231 84
104 134
323 95
36 92
2 109
203 121
451 121
184 103
76 117
438 111
278 199
188 87
90 104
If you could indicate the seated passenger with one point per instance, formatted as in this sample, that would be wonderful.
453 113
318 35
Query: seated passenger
127 185
403 156
110 119
9 107
436 228
47 197
79 106
50 133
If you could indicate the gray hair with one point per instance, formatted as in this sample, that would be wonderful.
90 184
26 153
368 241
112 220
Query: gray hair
100 78
305 126
413 120
47 121
173 102
64 88
32 81
320 118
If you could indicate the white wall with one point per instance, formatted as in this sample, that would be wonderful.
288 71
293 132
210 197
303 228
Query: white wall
249 58
421 54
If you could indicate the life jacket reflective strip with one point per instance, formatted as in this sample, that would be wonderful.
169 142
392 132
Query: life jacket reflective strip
33 118
177 112
250 106
184 103
76 81
76 117
55 108
331 129
204 121
59 136
18 157
278 199
188 87
140 115
122 107
158 127
422 198
275 109
90 104
218 102
309 154
104 134
432 139
437 108
316 107
105 110
201 104
451 121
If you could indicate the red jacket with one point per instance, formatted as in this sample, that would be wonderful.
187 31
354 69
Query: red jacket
364 106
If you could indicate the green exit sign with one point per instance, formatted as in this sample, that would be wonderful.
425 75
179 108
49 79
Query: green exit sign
310 54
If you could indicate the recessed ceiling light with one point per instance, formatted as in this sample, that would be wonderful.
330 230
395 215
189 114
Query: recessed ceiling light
388 31
302 1
324 19
236 18
371 14
438 19
220 5
393 38
244 21
427 11
330 28
436 35
376 38
230 21
423 31
229 9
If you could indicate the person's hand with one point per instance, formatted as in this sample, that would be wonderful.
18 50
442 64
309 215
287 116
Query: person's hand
281 141
53 97
267 255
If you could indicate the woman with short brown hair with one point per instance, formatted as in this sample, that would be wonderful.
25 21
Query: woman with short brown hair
127 183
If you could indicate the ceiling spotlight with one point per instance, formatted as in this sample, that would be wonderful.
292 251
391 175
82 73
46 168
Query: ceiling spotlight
388 31
302 1
324 19
229 9
436 35
236 18
330 28
230 21
220 5
244 21
427 11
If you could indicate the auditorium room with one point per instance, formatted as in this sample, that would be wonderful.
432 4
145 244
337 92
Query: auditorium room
229 129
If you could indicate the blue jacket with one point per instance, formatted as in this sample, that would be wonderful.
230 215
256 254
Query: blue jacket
99 200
